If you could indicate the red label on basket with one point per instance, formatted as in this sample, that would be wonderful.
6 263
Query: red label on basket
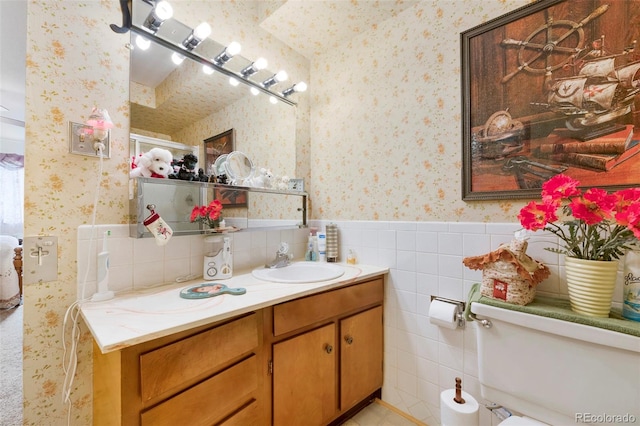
500 289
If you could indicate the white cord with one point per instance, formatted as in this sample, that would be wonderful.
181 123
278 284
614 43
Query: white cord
72 316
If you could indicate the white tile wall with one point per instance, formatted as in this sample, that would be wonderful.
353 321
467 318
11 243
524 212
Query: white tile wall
425 258
139 263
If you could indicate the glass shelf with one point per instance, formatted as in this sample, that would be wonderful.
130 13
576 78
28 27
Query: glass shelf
244 208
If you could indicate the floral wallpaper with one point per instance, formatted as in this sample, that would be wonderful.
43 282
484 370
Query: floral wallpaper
74 62
378 139
389 146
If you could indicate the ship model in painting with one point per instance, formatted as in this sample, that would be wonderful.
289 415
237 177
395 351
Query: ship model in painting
592 102
600 93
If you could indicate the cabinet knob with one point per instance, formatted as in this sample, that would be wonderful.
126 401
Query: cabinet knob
328 348
348 339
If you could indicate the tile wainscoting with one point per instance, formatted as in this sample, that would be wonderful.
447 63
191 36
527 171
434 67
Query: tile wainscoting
425 258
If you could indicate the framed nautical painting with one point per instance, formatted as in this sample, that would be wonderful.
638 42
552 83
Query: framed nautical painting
552 87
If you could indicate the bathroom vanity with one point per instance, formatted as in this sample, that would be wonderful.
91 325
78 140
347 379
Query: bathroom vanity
280 354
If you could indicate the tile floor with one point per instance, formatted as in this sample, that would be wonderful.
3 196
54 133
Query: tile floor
376 414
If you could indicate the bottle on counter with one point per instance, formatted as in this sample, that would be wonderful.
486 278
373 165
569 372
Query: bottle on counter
352 259
312 249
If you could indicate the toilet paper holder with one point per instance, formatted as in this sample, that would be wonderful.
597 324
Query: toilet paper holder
459 311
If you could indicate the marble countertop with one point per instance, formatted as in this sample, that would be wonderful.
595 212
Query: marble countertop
139 316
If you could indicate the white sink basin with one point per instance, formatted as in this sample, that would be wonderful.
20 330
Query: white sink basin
300 272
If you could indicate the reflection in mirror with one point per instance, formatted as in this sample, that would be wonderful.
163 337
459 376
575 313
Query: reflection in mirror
255 209
216 147
188 106
239 168
184 104
140 144
243 208
173 200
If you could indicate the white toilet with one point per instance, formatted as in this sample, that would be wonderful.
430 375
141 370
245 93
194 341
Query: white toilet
556 372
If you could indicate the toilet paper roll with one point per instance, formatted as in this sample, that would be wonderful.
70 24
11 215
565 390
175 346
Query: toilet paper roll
454 414
443 314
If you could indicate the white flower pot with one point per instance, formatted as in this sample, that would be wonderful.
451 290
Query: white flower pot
591 284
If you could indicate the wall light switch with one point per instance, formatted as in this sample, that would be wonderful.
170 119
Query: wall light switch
40 255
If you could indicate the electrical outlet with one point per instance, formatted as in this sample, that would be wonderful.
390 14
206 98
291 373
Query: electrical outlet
81 141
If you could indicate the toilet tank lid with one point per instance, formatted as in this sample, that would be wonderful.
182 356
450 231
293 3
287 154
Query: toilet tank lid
521 421
559 327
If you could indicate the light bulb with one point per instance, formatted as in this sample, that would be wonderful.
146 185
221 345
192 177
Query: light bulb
163 10
260 64
254 91
177 58
298 87
233 81
142 43
227 53
274 79
160 13
273 100
207 69
281 75
234 48
202 31
254 67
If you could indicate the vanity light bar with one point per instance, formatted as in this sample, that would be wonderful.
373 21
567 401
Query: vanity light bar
199 59
162 10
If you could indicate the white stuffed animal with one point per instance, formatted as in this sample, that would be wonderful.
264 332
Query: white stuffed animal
283 183
262 179
154 163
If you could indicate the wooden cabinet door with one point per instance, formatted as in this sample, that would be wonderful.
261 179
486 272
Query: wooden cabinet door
304 378
360 356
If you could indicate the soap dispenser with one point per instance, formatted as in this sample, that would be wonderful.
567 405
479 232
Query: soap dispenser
312 249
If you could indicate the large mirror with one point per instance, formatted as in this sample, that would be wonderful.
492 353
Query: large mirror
184 104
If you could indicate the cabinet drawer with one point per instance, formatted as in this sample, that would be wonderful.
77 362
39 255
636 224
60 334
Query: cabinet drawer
299 313
248 416
209 401
173 365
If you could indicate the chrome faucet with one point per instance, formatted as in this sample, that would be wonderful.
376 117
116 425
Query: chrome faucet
282 257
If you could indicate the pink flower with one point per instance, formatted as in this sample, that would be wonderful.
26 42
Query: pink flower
559 187
593 206
197 212
208 215
535 216
626 197
602 227
630 217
